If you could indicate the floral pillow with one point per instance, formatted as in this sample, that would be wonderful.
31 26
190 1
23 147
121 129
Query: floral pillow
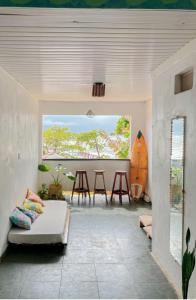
19 219
37 207
34 198
33 215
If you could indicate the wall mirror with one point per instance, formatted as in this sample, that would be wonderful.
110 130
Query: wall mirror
177 166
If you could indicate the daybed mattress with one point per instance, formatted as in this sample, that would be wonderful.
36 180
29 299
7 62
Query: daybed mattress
49 228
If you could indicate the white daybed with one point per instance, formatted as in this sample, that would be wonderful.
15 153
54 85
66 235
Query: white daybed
51 227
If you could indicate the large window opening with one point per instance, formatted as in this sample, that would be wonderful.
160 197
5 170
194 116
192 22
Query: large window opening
84 137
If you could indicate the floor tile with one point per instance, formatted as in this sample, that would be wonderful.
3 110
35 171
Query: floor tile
79 243
78 272
112 272
107 256
146 273
155 291
104 243
40 290
119 290
78 256
43 273
79 290
11 273
10 291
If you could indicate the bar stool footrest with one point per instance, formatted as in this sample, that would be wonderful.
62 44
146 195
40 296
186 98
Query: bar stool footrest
120 192
77 190
100 191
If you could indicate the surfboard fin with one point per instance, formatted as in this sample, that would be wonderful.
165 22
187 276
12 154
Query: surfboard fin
139 135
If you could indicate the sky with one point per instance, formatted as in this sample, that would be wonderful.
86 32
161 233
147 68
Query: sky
81 123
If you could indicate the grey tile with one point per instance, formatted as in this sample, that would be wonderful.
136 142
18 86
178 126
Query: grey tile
119 290
112 272
35 258
34 254
132 243
78 256
11 272
102 234
79 234
104 243
78 272
40 290
80 243
107 256
136 255
146 273
43 273
79 290
155 291
10 291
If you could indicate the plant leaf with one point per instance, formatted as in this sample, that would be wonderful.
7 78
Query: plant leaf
44 168
188 237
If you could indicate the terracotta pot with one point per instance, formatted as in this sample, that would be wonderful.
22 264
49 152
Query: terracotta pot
55 191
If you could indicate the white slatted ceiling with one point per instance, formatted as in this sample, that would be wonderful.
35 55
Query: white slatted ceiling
57 54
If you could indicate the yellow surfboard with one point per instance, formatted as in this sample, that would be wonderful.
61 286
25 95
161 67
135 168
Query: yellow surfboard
139 166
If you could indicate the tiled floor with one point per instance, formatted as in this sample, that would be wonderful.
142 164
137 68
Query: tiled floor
108 256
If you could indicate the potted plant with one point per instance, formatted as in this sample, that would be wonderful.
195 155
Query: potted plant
43 192
55 188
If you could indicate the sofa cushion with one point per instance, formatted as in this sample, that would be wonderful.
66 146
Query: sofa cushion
19 219
33 215
34 197
33 206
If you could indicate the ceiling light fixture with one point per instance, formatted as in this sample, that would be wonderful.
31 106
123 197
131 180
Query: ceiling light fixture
98 89
90 114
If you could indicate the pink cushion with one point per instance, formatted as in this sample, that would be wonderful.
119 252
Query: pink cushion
148 230
34 198
145 220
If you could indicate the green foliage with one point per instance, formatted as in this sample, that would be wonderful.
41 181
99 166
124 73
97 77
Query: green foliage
55 138
43 192
123 127
91 141
188 265
177 175
70 176
44 168
90 144
56 173
123 151
122 4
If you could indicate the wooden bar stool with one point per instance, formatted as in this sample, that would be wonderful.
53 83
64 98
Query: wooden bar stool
81 189
120 191
102 190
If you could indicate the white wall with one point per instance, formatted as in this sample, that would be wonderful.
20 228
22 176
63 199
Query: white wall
149 143
137 110
165 106
89 165
18 148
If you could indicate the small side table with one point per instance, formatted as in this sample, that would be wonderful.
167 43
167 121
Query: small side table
102 190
